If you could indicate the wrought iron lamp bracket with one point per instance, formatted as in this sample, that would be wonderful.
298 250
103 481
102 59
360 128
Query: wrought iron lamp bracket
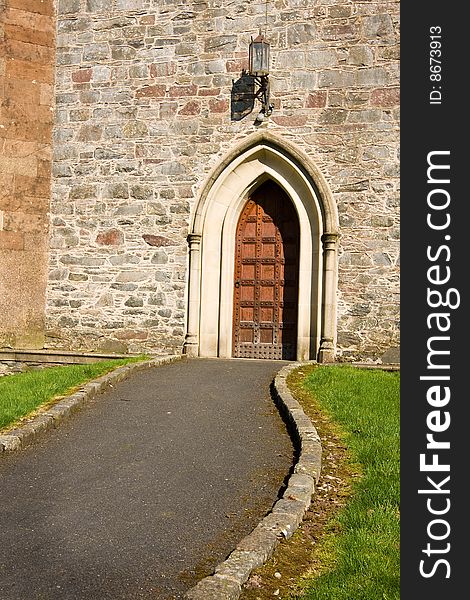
263 93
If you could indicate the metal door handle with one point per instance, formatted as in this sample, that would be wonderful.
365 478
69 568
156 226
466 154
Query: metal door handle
237 283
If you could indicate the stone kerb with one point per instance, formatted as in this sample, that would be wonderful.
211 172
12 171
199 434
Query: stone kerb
24 434
287 513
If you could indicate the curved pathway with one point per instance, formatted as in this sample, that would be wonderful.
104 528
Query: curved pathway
147 488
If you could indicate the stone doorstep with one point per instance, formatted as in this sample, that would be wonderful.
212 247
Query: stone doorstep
23 435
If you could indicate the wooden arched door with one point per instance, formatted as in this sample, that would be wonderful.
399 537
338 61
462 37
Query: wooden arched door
266 277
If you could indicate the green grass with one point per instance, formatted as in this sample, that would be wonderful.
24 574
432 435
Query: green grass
23 393
360 551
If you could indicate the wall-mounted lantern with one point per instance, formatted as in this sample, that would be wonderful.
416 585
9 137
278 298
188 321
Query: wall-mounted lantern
259 70
259 57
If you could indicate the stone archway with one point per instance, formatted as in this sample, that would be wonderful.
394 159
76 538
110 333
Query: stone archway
210 309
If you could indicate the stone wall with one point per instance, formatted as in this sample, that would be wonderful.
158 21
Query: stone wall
143 114
27 30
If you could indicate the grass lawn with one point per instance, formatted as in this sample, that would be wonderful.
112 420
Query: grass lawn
23 393
362 543
347 548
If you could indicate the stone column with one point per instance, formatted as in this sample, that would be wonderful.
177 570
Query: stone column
191 342
328 322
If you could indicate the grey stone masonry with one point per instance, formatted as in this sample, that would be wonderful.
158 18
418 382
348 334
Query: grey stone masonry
143 115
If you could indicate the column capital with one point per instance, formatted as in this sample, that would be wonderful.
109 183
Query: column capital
329 240
194 238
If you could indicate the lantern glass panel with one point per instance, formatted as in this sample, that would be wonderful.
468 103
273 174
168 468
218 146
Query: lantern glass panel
259 57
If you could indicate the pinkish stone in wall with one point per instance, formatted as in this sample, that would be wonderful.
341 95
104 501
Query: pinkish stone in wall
111 237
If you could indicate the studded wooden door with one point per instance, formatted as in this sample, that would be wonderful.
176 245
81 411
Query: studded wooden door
266 277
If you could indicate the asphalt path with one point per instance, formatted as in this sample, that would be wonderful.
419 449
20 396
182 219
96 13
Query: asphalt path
147 488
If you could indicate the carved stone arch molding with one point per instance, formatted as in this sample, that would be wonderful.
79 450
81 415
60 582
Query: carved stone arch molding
258 158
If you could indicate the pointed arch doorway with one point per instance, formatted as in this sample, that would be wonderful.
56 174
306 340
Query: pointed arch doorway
265 304
262 159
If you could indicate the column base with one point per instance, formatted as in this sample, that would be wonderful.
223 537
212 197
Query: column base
191 347
326 354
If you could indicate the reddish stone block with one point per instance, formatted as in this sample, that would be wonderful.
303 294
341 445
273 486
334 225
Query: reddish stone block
179 91
32 186
22 69
30 20
290 121
191 108
316 100
11 240
208 91
153 161
21 47
90 133
151 91
111 237
385 97
339 32
162 69
146 150
22 222
20 33
82 75
20 92
236 66
218 106
44 7
44 168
